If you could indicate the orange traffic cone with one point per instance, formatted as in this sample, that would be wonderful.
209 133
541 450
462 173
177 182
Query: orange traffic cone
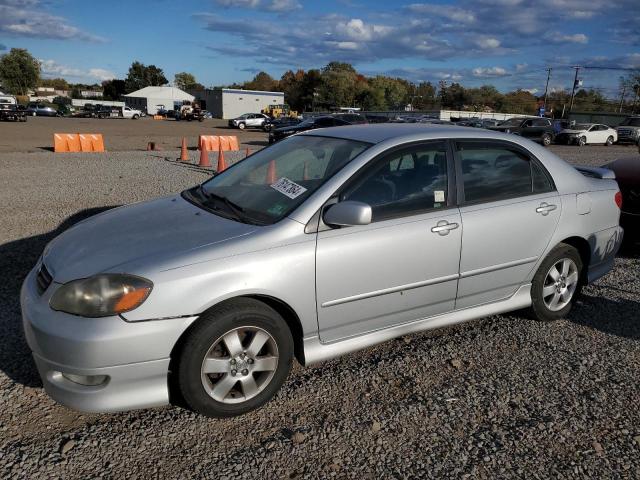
222 165
184 157
271 172
204 156
247 153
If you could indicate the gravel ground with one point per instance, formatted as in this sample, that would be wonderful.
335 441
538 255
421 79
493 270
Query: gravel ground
120 134
501 397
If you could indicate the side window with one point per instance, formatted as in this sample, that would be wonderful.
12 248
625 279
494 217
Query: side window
494 172
528 123
403 183
541 181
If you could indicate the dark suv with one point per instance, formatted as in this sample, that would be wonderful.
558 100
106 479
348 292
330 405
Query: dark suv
536 129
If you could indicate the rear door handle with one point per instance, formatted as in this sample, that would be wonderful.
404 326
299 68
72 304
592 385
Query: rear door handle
545 208
443 227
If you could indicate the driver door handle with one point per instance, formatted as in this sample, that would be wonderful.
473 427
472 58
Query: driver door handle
545 208
443 227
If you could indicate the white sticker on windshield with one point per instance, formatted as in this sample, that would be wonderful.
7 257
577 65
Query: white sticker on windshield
438 196
288 188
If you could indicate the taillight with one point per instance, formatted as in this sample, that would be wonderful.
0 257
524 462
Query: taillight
618 199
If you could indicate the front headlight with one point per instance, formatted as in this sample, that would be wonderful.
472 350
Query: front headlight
101 295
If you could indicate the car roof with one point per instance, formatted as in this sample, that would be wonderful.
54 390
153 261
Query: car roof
380 132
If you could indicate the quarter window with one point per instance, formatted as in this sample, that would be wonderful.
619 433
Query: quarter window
403 183
498 172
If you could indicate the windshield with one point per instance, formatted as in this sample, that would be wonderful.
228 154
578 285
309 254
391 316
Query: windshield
270 184
512 122
631 122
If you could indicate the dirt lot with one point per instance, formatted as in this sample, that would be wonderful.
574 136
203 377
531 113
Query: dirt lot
119 134
501 397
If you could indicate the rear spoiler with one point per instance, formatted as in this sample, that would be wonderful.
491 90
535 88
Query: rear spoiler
596 172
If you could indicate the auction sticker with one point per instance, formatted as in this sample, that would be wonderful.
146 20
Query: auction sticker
288 188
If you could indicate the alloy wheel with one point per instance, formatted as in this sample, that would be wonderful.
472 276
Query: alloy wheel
560 284
239 365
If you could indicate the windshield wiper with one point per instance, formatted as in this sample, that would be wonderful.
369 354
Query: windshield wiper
236 209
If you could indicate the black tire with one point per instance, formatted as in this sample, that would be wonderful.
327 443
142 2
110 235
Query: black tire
539 308
582 141
609 141
546 139
241 126
136 116
212 326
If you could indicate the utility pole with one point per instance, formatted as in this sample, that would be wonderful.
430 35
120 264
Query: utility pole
573 90
546 88
624 90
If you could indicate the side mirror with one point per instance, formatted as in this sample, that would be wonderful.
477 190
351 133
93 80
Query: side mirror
348 213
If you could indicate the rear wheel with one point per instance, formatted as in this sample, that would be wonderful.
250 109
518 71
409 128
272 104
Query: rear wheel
556 283
235 359
609 141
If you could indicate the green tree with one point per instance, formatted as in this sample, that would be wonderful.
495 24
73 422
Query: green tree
263 82
337 87
57 83
19 71
395 91
113 89
141 76
185 81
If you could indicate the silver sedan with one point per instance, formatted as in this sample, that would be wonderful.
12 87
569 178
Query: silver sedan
322 244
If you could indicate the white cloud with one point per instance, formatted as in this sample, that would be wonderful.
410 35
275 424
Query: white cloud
448 12
489 72
487 42
558 37
51 68
268 5
29 18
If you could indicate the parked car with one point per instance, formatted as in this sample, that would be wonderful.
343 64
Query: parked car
351 118
41 110
9 109
536 129
325 243
274 123
308 124
255 120
629 130
627 172
471 122
587 133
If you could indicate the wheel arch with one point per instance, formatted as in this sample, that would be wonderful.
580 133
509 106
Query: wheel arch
582 245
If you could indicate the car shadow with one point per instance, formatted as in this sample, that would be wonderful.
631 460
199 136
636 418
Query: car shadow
17 258
613 316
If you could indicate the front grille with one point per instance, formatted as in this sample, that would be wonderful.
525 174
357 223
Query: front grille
43 279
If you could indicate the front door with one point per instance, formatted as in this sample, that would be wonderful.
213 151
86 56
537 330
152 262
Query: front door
404 265
510 210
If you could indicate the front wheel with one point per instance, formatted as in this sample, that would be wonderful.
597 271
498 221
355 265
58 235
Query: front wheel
235 359
582 141
609 141
546 139
136 116
241 126
557 283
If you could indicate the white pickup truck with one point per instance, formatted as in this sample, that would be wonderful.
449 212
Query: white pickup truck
118 112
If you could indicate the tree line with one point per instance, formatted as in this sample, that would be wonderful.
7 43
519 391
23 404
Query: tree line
337 84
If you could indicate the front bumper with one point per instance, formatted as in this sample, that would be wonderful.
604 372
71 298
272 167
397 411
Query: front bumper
134 356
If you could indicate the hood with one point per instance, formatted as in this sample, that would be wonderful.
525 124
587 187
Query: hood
149 232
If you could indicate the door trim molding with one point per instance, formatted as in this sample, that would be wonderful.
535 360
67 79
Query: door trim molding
385 291
500 266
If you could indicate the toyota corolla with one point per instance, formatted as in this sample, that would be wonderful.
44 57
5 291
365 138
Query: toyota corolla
327 242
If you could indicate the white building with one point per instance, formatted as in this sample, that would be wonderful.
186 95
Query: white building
151 99
231 103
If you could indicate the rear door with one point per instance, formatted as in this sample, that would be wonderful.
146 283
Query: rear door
509 210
